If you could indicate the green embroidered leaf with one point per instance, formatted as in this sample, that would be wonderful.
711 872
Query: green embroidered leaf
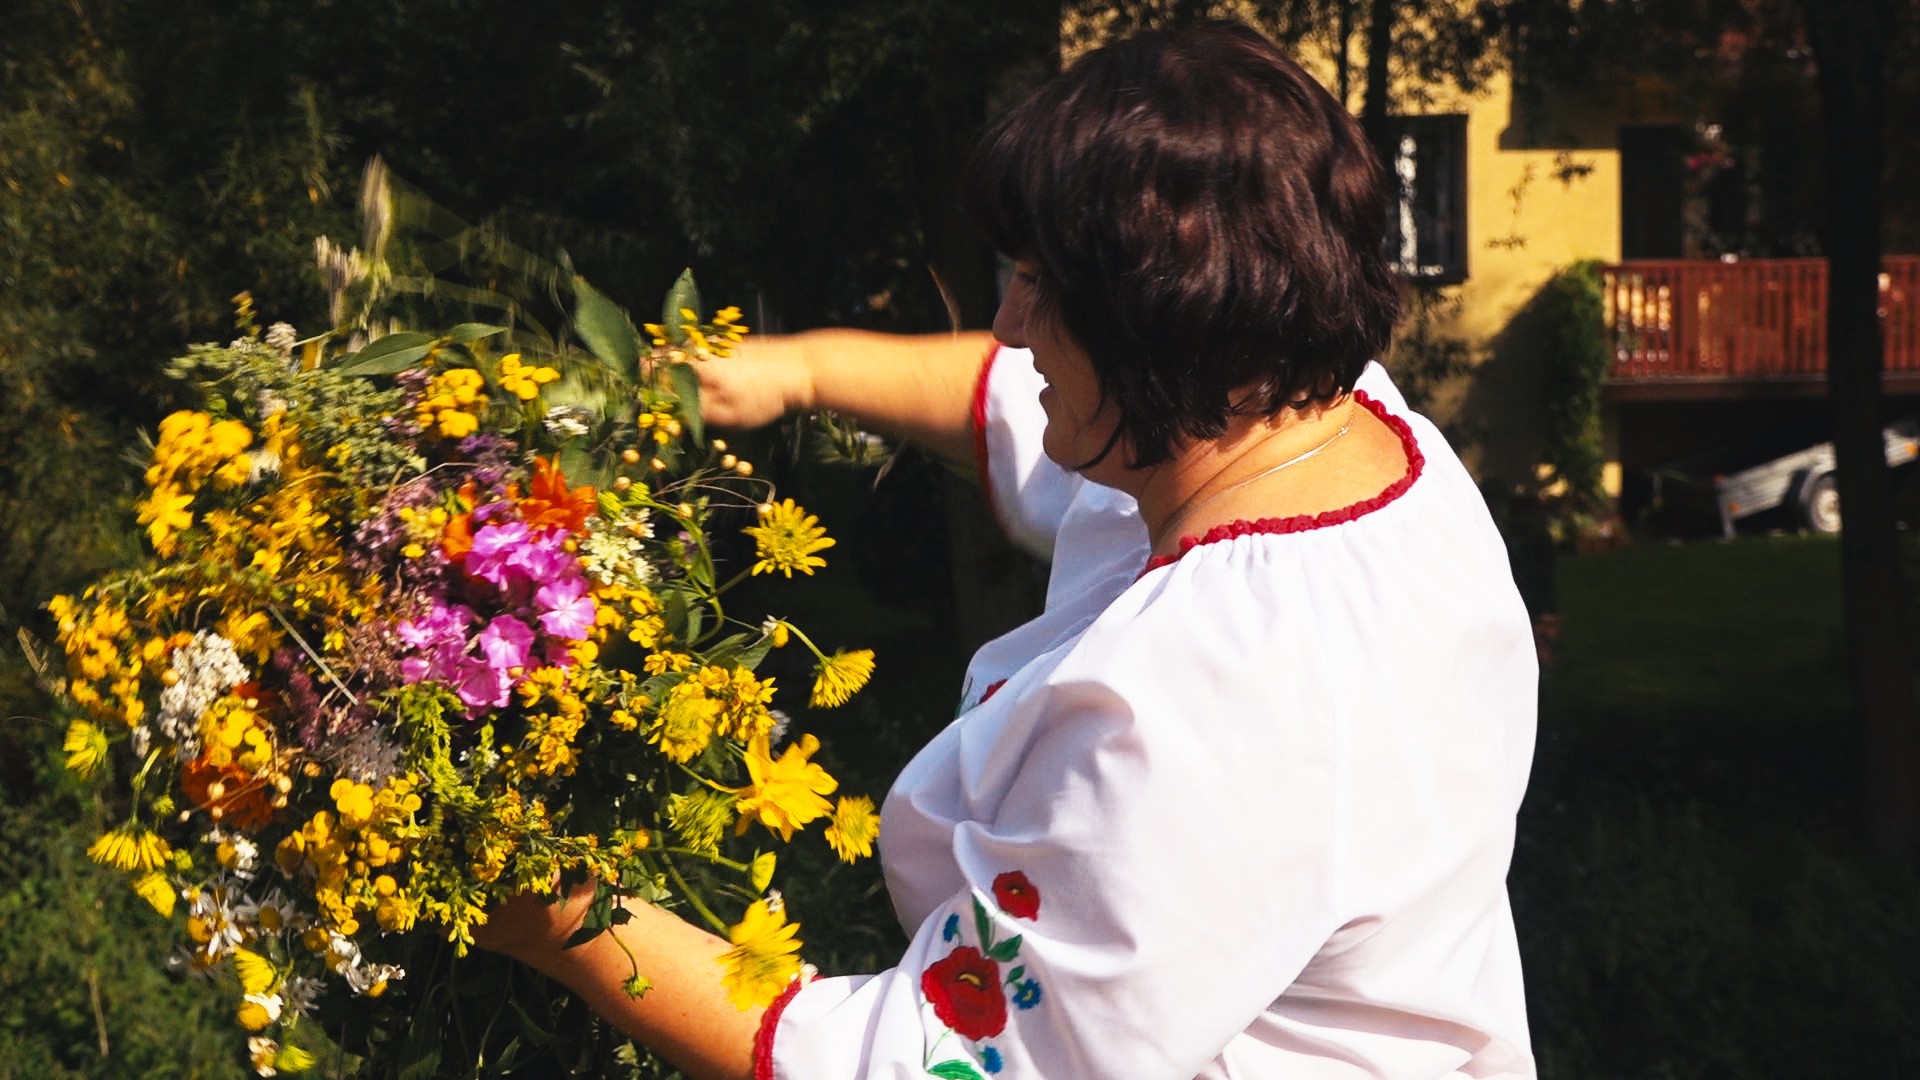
955 1070
982 925
1014 975
1005 950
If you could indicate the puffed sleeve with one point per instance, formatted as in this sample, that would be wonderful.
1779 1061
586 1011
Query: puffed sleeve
1029 493
1112 918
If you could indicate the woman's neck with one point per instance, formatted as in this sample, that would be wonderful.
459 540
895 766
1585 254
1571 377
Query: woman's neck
1256 457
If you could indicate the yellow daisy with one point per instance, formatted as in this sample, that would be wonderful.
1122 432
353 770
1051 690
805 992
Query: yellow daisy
854 828
131 848
86 747
786 792
764 957
786 539
838 677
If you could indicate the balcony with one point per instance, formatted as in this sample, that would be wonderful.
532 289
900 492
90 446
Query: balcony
1755 328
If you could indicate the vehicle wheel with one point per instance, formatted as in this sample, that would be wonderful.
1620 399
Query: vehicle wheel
1820 507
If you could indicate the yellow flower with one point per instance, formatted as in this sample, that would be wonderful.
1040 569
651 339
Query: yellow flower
840 676
786 539
854 828
522 381
787 792
86 748
256 972
764 957
292 1059
155 889
131 848
165 513
685 723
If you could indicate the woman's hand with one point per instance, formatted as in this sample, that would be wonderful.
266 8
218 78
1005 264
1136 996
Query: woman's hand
686 1017
529 926
764 380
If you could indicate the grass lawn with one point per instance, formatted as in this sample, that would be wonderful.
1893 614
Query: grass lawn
1694 894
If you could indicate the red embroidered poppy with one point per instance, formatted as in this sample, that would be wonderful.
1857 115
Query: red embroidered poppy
1016 895
964 989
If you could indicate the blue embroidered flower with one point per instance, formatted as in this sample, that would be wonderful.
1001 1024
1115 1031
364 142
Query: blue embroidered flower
1027 994
990 1059
952 929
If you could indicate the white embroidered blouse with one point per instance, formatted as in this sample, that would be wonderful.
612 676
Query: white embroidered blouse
1245 814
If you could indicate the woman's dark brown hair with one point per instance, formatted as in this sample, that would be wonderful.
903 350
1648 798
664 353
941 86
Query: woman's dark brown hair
1209 225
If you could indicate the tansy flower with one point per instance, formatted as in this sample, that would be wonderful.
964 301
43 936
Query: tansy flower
522 381
86 747
840 676
786 539
131 848
764 957
854 828
785 792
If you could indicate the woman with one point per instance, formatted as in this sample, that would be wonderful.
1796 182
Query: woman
1240 802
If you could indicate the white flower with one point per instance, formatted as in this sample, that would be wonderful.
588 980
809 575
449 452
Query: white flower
261 1053
203 669
281 338
567 421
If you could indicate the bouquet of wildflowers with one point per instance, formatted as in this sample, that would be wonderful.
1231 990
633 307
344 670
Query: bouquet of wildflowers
430 620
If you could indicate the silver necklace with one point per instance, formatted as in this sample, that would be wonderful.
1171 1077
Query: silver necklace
1187 511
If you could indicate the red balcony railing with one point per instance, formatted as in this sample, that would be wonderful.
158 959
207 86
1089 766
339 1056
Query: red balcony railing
1756 319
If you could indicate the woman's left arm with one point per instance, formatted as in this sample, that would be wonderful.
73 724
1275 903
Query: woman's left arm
684 1016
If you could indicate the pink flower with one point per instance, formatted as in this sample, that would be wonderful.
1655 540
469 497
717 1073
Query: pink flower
479 685
506 643
569 610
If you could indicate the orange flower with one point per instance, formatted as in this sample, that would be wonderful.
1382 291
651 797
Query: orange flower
551 504
245 801
457 540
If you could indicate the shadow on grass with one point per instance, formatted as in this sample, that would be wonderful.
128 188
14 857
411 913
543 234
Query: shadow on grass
1694 893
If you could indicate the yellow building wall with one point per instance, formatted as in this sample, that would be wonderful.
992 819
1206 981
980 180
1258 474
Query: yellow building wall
1530 213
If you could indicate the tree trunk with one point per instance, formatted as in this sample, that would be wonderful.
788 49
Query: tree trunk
1378 103
1849 42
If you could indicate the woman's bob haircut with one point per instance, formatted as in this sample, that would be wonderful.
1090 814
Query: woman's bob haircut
1208 224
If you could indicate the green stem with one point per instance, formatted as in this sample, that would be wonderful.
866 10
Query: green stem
718 924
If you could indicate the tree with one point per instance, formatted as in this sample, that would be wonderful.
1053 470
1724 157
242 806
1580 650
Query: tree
1850 43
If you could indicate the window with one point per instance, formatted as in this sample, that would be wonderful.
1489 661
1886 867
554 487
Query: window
1427 237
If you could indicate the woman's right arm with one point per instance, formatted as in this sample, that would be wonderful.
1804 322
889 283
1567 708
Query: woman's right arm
915 387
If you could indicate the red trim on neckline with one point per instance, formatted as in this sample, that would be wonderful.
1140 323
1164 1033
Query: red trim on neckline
980 426
1416 463
763 1039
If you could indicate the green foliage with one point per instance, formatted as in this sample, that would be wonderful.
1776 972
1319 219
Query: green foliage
1575 351
82 960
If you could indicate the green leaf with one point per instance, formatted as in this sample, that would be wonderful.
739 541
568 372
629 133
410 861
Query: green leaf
1005 950
982 925
395 352
686 389
1014 975
684 294
606 329
955 1070
762 874
473 331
